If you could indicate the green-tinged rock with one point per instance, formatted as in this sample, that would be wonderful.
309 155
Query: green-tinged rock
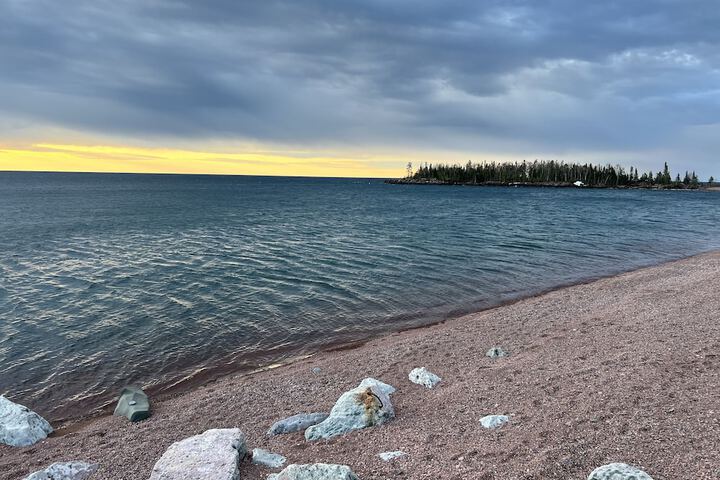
316 471
133 404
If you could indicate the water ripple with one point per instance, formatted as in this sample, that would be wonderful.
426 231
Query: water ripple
106 280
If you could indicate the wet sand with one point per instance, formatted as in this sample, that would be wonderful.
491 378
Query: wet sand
622 369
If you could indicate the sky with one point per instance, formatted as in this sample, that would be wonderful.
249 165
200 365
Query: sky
356 88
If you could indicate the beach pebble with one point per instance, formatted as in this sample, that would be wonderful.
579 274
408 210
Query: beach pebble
496 352
494 421
267 459
364 406
20 426
424 377
316 471
296 423
387 456
618 471
213 455
65 471
316 370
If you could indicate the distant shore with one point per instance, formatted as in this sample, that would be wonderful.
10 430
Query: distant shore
425 181
620 369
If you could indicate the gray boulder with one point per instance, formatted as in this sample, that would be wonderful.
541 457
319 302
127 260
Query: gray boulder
133 404
618 471
496 352
316 471
494 421
212 455
267 459
423 376
65 471
364 406
20 426
296 423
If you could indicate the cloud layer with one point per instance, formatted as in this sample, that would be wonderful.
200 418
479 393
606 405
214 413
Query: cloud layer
631 81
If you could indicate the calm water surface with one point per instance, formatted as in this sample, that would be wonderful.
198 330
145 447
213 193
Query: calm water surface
111 279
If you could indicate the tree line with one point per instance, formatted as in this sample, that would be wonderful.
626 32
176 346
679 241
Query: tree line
550 172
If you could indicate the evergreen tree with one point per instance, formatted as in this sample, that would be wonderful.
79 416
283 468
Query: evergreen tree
694 181
666 178
549 172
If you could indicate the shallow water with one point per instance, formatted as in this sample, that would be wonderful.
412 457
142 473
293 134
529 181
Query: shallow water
111 279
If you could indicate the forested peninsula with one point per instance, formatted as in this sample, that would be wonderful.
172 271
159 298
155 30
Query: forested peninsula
550 173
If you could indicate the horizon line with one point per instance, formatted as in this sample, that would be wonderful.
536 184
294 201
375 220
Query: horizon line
206 174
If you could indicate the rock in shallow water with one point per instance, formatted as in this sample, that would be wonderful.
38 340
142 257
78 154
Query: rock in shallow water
213 455
65 471
364 406
618 471
423 376
494 421
296 423
267 459
316 471
20 426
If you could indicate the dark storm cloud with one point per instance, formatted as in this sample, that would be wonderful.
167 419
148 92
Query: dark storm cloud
511 76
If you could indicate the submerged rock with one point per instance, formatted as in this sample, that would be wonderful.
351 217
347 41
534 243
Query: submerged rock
494 421
213 455
496 352
267 459
423 376
296 423
133 404
65 471
387 456
20 426
316 471
364 406
618 471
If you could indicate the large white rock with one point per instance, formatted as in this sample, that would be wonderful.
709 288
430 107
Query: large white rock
364 406
267 459
296 423
20 426
618 471
316 471
65 471
494 421
212 455
423 376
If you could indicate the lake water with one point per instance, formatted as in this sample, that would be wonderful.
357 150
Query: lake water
167 280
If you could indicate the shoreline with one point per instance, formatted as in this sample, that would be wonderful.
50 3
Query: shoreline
561 185
233 368
624 368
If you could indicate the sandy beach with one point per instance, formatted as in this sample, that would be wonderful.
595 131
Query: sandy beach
624 369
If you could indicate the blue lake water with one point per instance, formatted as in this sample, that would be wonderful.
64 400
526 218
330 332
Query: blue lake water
162 280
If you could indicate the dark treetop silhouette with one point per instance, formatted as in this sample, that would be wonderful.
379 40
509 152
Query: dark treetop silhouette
547 173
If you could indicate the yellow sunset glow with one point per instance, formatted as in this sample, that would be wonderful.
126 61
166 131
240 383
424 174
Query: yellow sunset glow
122 159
